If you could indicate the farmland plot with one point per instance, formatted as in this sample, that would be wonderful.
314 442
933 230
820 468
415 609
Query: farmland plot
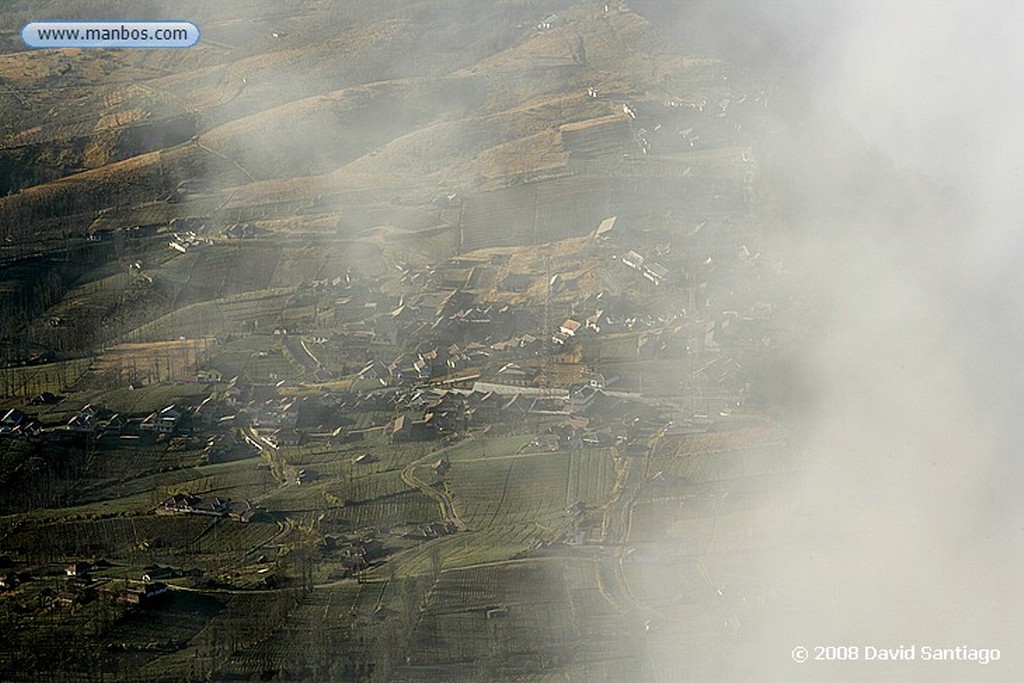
181 616
244 618
136 537
238 480
528 606
223 270
718 441
144 363
140 400
213 318
320 633
697 538
369 487
32 380
143 636
591 476
409 507
128 470
260 358
355 499
734 464
529 488
474 449
228 536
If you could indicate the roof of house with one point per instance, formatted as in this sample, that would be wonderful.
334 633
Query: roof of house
657 270
632 257
399 424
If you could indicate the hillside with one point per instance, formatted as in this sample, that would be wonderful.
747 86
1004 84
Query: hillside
406 340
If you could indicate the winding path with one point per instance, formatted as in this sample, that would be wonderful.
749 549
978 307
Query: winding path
442 498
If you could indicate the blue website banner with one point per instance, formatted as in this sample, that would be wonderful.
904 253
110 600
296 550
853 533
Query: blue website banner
110 34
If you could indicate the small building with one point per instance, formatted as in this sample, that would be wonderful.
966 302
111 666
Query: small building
13 418
570 327
633 260
186 503
209 375
289 437
45 399
86 421
514 373
514 410
243 512
375 370
147 593
548 22
156 573
163 421
656 273
78 569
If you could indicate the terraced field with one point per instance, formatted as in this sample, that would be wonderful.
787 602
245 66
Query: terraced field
370 142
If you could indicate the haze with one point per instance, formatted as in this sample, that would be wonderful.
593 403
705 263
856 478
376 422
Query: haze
353 189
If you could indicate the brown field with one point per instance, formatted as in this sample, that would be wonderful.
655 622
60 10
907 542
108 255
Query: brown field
146 363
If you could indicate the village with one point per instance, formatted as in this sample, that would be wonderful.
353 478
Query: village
438 411
477 346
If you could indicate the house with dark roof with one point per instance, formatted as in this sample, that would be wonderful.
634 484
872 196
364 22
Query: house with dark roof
78 569
148 593
187 504
87 419
375 370
13 418
289 437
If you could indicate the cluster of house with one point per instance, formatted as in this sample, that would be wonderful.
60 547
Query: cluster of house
549 22
425 532
240 231
429 414
227 446
16 423
442 361
213 506
354 555
100 421
81 587
651 270
187 240
94 421
589 413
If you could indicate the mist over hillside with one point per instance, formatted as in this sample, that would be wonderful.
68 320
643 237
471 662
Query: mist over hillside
531 340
